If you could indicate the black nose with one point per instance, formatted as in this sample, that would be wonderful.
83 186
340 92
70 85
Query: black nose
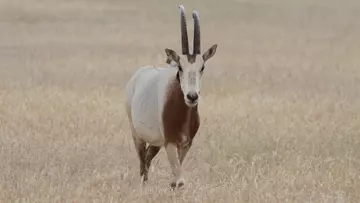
192 96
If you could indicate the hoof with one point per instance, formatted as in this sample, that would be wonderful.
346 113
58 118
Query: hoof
143 180
175 185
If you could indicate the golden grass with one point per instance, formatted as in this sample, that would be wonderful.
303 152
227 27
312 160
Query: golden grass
280 107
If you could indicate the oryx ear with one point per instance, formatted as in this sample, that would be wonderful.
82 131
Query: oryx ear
172 56
209 53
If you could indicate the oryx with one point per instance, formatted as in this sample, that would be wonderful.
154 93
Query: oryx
162 103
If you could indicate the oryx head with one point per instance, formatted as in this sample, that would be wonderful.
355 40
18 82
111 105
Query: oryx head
190 66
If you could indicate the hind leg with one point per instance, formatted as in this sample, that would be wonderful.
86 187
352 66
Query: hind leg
140 146
151 152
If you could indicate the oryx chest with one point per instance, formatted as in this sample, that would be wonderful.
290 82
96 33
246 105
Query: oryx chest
180 122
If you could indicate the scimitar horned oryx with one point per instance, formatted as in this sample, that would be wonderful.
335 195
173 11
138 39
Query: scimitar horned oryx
162 104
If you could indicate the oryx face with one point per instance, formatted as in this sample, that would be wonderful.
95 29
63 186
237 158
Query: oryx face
190 66
190 71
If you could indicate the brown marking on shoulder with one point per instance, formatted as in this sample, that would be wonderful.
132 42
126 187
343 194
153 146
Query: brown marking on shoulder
178 118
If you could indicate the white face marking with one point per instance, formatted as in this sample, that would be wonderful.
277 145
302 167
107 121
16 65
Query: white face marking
190 79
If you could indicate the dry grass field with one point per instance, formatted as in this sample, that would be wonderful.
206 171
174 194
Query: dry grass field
280 109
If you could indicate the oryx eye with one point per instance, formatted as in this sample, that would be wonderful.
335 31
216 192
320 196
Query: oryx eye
202 68
180 68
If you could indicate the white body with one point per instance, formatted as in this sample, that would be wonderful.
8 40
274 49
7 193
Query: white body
145 99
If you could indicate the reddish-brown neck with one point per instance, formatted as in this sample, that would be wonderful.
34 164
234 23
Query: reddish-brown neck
178 118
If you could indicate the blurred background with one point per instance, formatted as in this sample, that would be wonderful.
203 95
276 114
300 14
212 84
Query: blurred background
279 112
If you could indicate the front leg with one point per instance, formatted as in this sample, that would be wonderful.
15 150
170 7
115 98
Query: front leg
183 150
172 154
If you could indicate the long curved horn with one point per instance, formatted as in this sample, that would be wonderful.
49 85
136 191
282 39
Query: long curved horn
184 35
196 33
